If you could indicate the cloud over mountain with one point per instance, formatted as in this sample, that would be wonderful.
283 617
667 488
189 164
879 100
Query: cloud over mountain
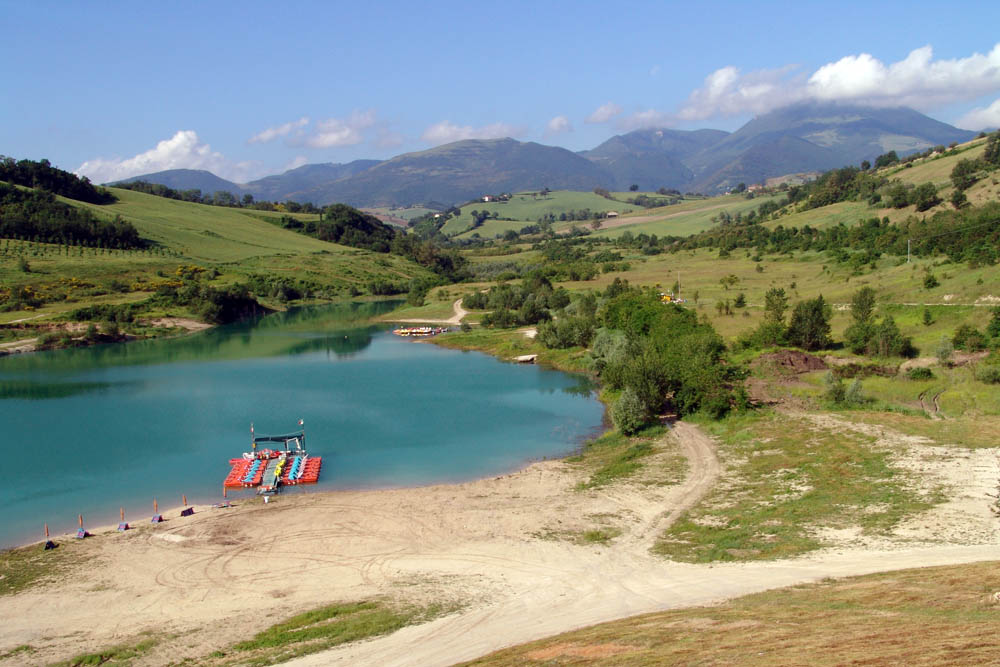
917 81
334 132
447 132
604 113
184 150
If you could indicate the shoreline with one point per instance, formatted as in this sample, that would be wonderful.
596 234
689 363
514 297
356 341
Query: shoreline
172 513
504 551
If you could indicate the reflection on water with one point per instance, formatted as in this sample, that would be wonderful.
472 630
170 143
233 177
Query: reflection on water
333 329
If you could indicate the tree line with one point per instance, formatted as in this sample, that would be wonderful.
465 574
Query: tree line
217 198
36 215
42 175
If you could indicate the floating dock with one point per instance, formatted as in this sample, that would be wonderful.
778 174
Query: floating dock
268 470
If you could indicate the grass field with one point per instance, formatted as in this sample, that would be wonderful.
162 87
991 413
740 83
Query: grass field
525 208
787 477
235 242
206 233
689 217
930 616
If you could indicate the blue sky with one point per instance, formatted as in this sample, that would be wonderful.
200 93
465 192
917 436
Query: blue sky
246 89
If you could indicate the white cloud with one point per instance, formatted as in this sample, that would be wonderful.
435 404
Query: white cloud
917 81
272 133
728 92
645 119
604 113
446 132
981 118
655 70
334 132
558 125
182 151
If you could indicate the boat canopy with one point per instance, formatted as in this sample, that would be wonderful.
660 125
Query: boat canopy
284 439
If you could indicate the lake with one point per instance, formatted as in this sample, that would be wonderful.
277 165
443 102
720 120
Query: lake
94 429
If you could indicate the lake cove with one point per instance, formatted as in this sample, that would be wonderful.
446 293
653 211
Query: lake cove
94 429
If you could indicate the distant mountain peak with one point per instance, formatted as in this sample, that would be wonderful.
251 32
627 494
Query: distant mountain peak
804 137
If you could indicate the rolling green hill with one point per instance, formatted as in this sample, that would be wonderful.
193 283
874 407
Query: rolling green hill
237 244
526 208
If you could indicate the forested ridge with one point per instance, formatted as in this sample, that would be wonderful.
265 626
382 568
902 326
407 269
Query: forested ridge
36 215
42 175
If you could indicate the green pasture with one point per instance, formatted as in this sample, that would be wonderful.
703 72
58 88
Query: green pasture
848 213
407 213
807 275
689 217
937 169
205 233
529 207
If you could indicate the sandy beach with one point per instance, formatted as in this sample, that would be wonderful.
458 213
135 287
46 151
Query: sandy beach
490 548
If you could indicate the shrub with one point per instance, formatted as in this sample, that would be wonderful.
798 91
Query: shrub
834 388
968 338
988 373
920 374
628 413
854 394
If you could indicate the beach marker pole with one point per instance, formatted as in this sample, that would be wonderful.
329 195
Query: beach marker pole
49 544
81 520
185 499
121 513
157 517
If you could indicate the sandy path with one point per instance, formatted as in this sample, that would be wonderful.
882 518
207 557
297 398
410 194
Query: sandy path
556 594
224 574
454 319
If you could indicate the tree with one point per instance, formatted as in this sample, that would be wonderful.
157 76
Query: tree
809 327
889 342
944 350
958 199
865 165
925 197
886 159
993 328
628 413
860 333
634 187
963 176
775 305
928 320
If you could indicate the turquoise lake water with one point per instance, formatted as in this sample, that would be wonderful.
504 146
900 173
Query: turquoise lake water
91 430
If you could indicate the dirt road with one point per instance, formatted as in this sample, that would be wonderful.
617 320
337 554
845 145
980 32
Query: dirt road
454 319
497 547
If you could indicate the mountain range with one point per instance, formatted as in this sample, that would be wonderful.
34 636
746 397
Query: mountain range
795 139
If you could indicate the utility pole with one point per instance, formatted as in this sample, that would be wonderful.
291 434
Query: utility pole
907 251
